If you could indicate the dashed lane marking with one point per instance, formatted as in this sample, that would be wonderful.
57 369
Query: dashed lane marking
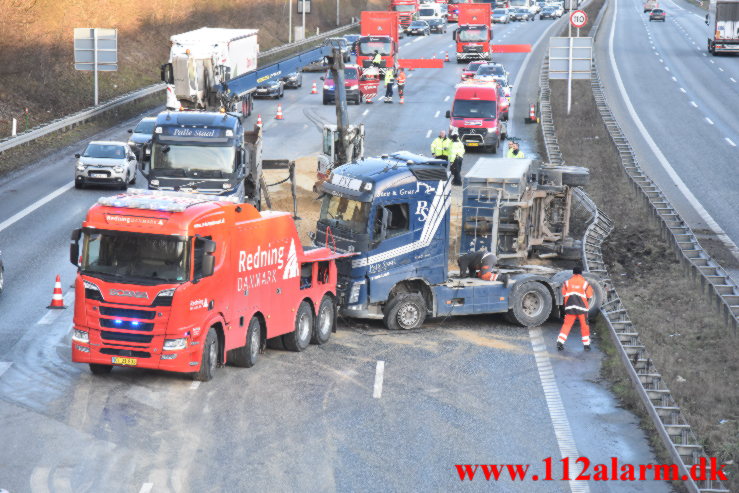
732 80
194 385
731 142
364 113
445 100
694 105
710 122
39 480
674 79
379 374
20 215
436 115
146 488
721 69
683 91
428 134
667 68
557 413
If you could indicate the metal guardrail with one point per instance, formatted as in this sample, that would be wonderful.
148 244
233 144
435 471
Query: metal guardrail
673 429
95 111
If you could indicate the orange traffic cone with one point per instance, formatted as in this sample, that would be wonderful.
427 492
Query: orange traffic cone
57 302
259 121
279 112
314 90
532 114
446 58
402 100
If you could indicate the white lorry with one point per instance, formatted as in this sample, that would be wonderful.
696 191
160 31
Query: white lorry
202 59
723 26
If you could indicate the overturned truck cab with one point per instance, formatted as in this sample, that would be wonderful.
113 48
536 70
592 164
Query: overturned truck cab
392 213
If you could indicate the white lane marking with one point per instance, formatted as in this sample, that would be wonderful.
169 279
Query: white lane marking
683 91
557 412
732 80
62 481
428 134
39 481
451 45
364 113
194 385
52 315
702 212
446 99
674 79
379 373
4 365
711 61
660 61
667 68
436 115
721 69
20 215
731 142
710 122
694 105
146 488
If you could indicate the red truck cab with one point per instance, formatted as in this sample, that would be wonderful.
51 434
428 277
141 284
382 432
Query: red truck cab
407 10
475 116
185 282
379 32
474 33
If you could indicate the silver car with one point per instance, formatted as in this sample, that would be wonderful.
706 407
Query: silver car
105 163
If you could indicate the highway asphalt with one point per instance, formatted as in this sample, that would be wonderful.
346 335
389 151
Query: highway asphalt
687 106
333 418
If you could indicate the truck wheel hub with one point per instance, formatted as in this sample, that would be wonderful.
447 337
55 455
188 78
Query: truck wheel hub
408 315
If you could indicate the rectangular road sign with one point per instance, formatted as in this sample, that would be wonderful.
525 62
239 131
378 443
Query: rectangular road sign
84 48
570 58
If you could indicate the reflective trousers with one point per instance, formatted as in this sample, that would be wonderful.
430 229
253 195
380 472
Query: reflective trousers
567 325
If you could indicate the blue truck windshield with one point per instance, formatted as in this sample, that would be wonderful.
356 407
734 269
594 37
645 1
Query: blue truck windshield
193 157
345 213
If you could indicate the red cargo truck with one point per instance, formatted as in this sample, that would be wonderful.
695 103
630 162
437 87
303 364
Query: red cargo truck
379 32
185 283
453 9
407 10
474 34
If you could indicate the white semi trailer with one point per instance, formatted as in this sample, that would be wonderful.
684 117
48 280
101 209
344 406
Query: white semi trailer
201 60
723 26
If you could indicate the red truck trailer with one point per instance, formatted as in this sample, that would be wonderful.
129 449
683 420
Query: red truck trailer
474 34
185 282
380 31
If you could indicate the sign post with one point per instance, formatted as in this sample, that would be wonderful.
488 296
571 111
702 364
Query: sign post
95 49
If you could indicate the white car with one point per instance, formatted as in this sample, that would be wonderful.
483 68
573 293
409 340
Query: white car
105 162
500 16
492 72
559 9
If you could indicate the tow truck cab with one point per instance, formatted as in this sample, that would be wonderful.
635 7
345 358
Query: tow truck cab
475 115
200 152
385 45
393 213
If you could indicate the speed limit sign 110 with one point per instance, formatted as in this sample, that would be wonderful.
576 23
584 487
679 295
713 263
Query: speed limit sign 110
578 19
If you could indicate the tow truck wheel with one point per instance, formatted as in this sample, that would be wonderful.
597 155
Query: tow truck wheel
532 304
209 359
325 321
98 369
246 355
405 311
299 339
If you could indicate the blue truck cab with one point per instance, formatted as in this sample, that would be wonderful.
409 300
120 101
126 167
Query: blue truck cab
393 214
203 152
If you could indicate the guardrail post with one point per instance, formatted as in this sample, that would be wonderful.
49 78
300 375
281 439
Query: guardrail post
14 130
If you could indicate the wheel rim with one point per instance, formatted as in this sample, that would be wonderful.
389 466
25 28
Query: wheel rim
303 327
254 344
324 321
532 304
212 356
408 315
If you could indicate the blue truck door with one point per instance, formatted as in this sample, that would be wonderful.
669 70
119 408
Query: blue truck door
391 236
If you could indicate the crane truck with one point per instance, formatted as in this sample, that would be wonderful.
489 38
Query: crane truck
393 214
722 20
186 282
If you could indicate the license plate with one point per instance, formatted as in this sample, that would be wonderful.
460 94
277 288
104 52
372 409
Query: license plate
473 144
98 175
119 360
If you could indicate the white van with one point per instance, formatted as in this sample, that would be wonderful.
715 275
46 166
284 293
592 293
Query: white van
429 11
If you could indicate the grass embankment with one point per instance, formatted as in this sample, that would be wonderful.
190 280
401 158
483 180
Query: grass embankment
685 336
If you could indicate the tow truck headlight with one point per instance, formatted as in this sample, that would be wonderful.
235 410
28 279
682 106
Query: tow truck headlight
154 183
80 336
174 344
354 293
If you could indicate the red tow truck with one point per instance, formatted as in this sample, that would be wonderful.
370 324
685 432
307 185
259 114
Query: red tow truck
474 34
380 31
407 10
186 282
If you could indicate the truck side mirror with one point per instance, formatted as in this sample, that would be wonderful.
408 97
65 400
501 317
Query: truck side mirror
74 246
209 261
131 158
166 73
448 114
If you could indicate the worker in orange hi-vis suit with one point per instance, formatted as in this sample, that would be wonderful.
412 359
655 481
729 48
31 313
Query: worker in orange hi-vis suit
576 292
